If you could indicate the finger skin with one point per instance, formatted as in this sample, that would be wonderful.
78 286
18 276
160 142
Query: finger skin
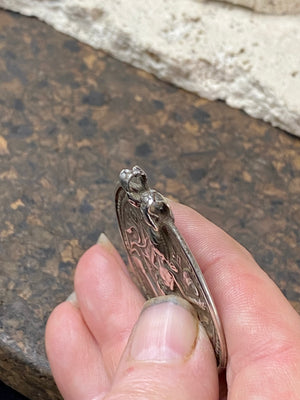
74 355
261 327
109 301
191 375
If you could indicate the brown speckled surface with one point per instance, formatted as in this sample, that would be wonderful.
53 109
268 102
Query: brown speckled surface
70 119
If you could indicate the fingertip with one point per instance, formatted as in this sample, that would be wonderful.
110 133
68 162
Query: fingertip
55 318
206 240
74 356
91 257
96 258
102 255
168 344
65 318
166 330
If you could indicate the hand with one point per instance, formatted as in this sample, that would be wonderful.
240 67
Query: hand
100 345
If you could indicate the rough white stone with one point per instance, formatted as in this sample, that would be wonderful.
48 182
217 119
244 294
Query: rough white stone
217 50
270 6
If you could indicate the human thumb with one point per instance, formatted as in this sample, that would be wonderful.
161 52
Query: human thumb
168 356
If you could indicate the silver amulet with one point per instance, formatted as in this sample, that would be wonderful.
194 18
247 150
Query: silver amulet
160 262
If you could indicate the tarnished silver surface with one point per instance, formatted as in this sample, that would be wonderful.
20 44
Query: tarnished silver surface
160 262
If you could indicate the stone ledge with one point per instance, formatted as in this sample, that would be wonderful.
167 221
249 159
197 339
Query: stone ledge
252 61
270 6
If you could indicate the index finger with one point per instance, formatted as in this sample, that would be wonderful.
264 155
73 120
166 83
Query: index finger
262 329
